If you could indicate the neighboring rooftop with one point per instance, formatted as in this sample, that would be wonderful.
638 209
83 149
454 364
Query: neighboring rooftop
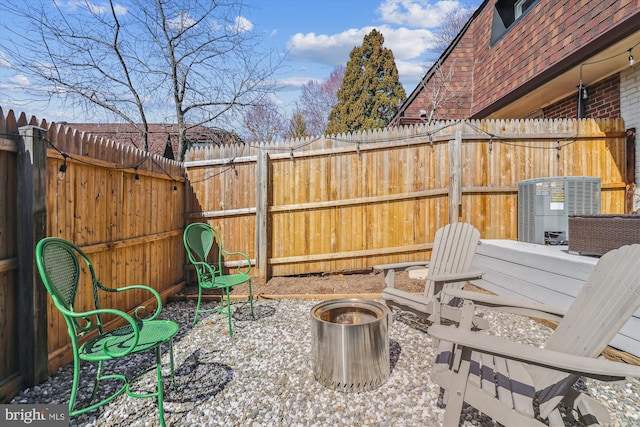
163 138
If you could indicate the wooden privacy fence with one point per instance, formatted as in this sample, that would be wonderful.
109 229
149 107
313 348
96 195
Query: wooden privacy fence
333 204
122 206
349 202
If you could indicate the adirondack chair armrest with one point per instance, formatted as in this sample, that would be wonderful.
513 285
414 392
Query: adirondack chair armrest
456 277
411 265
599 369
509 305
389 269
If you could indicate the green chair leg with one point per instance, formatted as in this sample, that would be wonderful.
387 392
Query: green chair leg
229 312
195 317
159 378
253 316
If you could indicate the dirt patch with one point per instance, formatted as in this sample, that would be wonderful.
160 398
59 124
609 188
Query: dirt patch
321 284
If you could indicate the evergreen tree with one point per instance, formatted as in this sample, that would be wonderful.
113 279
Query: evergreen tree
297 126
370 94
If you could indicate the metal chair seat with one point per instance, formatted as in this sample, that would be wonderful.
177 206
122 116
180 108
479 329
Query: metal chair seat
152 334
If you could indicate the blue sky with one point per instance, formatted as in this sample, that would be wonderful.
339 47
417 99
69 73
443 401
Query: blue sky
317 36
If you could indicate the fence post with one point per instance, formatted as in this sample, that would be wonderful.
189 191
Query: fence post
455 178
32 224
262 215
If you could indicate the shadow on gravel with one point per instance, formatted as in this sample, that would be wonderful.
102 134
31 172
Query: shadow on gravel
198 378
394 353
243 313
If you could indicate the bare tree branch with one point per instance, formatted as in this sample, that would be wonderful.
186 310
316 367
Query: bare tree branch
192 62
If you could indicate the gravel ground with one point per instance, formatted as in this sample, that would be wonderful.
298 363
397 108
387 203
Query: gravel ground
262 376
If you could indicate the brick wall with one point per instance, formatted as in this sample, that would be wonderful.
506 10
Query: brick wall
542 40
545 36
603 102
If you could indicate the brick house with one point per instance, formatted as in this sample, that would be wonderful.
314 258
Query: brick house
531 59
162 138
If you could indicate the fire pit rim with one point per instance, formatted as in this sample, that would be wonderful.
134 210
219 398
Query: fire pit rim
381 310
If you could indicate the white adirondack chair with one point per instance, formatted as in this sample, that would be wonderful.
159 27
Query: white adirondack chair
453 248
504 379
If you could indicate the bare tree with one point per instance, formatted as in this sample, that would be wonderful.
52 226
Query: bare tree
317 99
185 61
264 123
450 26
441 91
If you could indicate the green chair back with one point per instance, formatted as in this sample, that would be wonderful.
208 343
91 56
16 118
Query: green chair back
59 266
199 239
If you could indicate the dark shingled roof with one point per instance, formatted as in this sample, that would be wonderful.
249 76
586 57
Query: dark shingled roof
163 138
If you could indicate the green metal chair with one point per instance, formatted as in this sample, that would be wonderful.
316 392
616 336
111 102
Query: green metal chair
61 271
199 239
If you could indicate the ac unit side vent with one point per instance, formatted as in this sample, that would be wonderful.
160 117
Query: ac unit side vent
544 206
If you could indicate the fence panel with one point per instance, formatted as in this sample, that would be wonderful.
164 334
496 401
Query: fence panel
379 197
124 209
10 376
122 206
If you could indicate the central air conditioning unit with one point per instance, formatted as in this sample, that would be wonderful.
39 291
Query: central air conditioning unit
544 206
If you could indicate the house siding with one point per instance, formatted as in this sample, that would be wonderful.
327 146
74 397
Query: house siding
548 34
550 38
630 108
460 66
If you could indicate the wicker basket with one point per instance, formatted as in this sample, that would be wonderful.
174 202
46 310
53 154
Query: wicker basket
598 234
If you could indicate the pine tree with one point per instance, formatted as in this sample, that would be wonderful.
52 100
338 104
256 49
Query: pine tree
297 126
371 93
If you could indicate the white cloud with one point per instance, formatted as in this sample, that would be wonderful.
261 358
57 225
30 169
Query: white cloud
180 22
73 5
416 13
120 10
243 24
325 49
406 43
334 49
19 80
4 62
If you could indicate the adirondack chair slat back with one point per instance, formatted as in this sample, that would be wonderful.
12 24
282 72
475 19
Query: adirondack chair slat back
607 300
453 248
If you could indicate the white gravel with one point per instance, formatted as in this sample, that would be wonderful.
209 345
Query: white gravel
262 376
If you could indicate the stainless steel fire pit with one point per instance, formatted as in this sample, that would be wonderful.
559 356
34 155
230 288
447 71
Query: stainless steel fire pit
350 344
